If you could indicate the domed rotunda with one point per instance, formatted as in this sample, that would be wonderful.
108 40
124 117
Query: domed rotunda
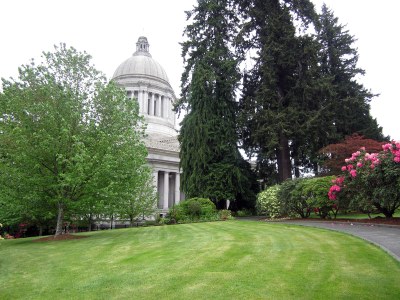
145 80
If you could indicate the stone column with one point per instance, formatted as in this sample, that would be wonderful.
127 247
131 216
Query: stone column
166 107
166 189
151 112
140 101
159 106
145 102
177 188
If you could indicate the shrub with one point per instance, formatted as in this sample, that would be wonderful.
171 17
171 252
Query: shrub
371 180
293 202
302 196
225 214
244 213
268 203
194 209
315 190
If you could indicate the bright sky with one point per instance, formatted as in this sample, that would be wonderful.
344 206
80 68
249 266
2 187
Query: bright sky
108 30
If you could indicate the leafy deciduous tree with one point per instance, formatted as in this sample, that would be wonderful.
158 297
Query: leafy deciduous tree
68 137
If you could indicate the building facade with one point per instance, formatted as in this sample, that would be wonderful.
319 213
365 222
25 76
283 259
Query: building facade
145 81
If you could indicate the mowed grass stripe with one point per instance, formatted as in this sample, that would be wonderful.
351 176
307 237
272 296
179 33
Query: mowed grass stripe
218 260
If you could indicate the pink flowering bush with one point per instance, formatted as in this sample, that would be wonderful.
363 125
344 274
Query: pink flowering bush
371 180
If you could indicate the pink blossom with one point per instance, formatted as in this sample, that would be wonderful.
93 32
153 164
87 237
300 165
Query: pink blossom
350 167
362 148
372 166
344 168
386 147
353 173
340 180
359 165
397 159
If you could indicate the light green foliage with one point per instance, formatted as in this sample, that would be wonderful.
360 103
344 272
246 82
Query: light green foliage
268 202
194 209
71 142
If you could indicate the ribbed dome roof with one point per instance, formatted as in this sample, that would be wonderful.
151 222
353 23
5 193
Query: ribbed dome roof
141 64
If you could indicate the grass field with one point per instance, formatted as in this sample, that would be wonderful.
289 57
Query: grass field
219 260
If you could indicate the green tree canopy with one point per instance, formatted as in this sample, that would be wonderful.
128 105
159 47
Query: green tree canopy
68 138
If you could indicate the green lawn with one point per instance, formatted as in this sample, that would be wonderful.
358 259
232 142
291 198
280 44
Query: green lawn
219 260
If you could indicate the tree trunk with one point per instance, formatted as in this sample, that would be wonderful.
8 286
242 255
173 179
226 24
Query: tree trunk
283 159
60 219
296 160
40 230
316 169
90 223
388 213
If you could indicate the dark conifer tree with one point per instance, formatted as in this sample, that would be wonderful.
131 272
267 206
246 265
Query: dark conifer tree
211 163
277 93
349 100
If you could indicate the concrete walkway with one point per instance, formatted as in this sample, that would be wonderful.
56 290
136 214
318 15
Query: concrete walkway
385 236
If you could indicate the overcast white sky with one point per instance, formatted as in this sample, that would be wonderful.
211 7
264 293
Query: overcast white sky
108 30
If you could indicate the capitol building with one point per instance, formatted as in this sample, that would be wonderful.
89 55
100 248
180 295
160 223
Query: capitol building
144 79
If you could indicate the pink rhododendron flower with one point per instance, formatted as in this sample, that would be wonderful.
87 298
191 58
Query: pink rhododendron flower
340 180
344 168
350 167
353 173
359 165
397 159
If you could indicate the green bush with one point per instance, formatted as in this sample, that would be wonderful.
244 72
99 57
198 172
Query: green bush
302 196
244 213
268 203
225 214
293 203
315 190
194 209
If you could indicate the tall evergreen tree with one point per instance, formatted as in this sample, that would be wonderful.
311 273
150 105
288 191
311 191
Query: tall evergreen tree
211 163
276 97
349 100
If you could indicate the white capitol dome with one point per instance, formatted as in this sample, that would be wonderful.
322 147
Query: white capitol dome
141 64
145 80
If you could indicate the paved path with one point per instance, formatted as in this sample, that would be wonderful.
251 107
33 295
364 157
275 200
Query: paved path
385 236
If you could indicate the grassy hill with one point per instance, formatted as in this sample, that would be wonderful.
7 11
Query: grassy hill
219 260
